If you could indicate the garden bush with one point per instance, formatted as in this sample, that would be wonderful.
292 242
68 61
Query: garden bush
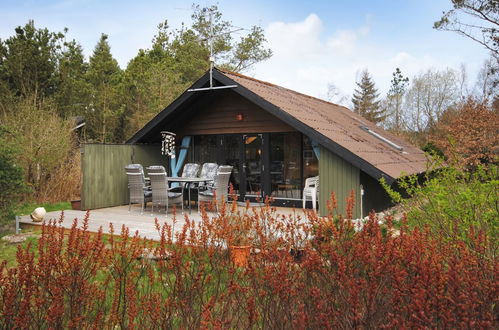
340 279
11 184
450 200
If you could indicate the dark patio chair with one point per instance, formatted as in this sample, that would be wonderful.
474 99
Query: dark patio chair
220 187
190 171
139 193
208 171
161 194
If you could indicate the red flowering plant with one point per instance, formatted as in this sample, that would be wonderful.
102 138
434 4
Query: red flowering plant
346 279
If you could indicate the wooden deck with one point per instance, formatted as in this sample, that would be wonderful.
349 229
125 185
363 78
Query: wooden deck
134 220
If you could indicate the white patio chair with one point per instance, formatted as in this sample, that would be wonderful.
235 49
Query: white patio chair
161 195
219 189
139 193
311 191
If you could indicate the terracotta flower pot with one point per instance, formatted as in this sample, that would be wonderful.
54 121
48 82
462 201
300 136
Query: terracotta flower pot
240 254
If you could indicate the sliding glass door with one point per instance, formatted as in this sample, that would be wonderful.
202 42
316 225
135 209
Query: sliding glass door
285 165
268 164
252 166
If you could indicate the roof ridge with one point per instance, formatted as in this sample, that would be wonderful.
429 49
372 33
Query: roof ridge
274 85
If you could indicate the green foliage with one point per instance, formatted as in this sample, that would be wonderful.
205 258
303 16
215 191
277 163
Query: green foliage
149 83
11 180
398 83
41 138
431 148
451 200
28 60
8 251
235 56
73 93
394 101
365 100
104 75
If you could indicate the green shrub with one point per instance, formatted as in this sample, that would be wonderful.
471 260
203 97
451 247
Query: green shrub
11 182
450 200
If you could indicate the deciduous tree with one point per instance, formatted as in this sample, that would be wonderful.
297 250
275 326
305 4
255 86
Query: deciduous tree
469 134
430 94
475 19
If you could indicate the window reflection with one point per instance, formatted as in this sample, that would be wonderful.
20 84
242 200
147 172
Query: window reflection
253 165
285 165
230 156
204 149
310 162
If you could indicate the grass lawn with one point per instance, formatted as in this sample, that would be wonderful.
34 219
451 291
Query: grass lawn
27 208
8 250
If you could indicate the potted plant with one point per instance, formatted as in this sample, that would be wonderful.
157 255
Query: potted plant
239 239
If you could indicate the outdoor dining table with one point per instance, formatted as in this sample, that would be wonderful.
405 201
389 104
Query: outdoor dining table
190 182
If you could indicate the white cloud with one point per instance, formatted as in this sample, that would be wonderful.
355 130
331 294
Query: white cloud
295 40
344 41
307 58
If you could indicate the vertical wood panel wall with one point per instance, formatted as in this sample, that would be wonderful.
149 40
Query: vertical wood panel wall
339 176
104 182
219 117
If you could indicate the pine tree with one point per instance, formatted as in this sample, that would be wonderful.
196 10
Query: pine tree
73 91
104 110
397 90
28 61
365 100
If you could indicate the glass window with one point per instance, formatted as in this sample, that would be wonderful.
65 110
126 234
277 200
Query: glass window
204 149
310 161
230 156
285 165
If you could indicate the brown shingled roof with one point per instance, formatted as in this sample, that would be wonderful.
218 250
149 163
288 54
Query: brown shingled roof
335 127
341 126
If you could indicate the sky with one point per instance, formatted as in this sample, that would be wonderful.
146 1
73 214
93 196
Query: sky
315 43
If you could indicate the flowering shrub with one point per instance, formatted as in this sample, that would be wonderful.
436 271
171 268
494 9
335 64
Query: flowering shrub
335 277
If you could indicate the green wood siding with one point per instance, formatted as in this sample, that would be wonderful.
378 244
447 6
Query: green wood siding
339 176
104 182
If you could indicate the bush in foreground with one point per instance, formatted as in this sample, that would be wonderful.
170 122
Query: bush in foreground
335 277
450 200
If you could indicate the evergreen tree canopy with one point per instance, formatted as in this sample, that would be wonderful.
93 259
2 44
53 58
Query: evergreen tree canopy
28 60
393 104
398 83
365 100
73 91
104 75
